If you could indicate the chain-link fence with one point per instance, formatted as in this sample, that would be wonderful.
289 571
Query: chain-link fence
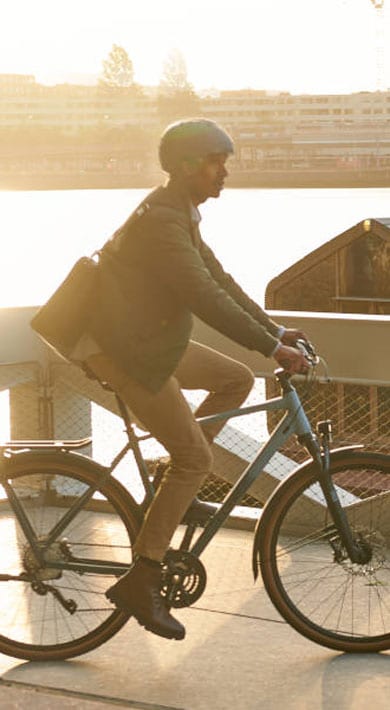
360 414
63 403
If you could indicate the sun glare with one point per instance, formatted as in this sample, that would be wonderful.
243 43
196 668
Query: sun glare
301 46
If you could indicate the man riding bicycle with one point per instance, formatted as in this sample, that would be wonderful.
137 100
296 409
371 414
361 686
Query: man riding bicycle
156 273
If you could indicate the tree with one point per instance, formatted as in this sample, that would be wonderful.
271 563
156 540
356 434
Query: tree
174 77
118 72
177 98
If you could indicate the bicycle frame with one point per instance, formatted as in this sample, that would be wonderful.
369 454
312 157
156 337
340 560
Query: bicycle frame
294 421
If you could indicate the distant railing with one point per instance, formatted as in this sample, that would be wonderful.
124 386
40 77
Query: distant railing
49 398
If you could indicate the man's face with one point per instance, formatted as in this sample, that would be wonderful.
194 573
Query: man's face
205 177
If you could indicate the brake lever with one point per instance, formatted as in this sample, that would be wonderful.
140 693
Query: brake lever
307 349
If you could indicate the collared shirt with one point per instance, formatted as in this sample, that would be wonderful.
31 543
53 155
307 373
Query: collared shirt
195 214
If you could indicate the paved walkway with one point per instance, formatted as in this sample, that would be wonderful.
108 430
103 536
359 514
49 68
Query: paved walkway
237 655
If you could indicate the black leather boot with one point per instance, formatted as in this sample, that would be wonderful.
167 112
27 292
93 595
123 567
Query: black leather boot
138 593
199 511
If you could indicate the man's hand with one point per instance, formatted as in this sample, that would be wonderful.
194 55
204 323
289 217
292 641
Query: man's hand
291 335
291 359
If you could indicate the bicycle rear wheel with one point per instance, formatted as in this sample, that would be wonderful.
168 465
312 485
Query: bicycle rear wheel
51 613
305 568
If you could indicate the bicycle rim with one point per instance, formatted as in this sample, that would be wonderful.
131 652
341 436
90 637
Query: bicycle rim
305 568
34 623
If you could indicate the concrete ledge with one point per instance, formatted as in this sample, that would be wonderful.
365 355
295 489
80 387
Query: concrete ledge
338 337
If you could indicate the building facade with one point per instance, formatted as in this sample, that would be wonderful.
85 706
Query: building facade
276 134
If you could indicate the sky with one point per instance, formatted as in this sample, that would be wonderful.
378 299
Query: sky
300 46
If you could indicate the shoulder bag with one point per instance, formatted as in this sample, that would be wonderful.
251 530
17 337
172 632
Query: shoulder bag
63 319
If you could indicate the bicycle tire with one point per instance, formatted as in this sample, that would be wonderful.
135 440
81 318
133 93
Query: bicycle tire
305 570
35 625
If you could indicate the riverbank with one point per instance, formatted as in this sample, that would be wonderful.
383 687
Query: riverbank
242 179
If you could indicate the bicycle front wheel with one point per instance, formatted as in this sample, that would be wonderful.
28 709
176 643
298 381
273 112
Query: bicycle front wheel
305 567
50 612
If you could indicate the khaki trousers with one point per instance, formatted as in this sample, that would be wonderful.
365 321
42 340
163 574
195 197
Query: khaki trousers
168 417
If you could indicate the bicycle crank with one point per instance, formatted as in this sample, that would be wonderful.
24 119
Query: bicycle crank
183 578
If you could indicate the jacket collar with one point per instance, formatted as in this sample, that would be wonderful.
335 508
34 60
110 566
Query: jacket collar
174 195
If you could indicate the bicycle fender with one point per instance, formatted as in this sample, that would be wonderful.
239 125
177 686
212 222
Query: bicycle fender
26 458
262 521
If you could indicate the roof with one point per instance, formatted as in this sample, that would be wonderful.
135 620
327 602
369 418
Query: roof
327 259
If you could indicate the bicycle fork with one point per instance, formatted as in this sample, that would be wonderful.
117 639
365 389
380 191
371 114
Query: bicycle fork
319 450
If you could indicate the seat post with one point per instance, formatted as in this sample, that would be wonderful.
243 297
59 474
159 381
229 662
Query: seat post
131 435
125 415
135 447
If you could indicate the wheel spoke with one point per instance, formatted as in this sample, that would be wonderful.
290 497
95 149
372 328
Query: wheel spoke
35 623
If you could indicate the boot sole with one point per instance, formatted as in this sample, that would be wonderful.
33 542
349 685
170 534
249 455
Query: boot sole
115 599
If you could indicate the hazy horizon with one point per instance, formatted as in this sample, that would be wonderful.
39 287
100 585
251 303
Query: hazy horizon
75 79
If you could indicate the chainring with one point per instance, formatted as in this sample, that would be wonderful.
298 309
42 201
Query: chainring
183 579
58 551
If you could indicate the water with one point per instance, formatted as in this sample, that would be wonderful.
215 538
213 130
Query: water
256 233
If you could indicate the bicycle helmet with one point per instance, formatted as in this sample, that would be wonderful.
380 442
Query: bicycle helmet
191 139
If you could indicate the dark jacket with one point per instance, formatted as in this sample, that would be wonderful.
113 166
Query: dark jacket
156 272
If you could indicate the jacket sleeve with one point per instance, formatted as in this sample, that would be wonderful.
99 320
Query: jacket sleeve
176 262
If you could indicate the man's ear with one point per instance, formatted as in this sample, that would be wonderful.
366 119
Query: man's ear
190 166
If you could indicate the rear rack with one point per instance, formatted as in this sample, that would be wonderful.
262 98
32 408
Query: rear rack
45 444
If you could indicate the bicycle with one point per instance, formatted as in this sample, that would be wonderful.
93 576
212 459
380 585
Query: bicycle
321 544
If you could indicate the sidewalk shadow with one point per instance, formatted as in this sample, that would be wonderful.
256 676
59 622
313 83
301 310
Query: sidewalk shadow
345 675
237 654
244 663
106 674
